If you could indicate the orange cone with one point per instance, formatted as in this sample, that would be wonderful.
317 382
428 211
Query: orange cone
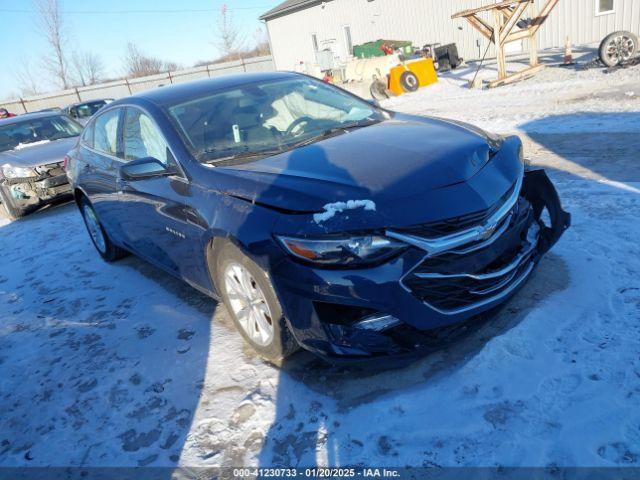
568 54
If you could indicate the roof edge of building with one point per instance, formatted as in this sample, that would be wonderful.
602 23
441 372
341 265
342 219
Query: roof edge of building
283 9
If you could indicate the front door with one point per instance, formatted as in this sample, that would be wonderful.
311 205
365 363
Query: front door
153 209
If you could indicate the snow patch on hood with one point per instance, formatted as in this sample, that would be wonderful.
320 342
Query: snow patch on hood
20 146
331 209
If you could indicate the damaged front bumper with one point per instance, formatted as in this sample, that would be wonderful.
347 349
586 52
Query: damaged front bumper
440 282
50 184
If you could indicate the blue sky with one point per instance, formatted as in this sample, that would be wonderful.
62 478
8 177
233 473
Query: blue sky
183 37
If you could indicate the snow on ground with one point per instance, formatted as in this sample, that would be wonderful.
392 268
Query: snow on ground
104 365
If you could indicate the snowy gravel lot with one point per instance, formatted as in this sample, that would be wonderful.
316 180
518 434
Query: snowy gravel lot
121 365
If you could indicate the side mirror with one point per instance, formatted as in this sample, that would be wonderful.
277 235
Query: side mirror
147 167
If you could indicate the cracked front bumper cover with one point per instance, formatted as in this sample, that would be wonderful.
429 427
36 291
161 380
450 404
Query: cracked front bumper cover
540 192
488 272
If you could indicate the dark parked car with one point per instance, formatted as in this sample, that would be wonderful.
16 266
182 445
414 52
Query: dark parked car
32 151
321 220
81 112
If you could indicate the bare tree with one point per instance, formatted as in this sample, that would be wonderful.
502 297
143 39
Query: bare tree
261 43
137 64
27 78
88 68
229 39
51 27
171 66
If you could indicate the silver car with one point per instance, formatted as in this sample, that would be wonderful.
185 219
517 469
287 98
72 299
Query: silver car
81 112
32 152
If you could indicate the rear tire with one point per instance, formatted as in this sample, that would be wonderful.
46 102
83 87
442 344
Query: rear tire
105 247
409 82
251 300
617 48
10 209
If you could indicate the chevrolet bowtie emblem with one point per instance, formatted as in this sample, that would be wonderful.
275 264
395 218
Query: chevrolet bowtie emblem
488 231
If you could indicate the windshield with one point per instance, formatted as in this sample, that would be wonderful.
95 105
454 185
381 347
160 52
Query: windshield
87 110
268 118
27 132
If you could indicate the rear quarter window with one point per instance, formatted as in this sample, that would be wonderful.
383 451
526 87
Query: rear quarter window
87 136
105 132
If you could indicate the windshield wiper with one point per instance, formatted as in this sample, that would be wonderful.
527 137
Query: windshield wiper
243 156
329 132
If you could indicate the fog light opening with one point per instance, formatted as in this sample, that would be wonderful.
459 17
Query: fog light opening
533 234
377 323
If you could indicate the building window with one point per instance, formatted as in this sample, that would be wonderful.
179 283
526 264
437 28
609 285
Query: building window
604 6
347 40
314 40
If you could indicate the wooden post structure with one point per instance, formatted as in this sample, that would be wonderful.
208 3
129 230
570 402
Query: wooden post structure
533 39
506 15
498 29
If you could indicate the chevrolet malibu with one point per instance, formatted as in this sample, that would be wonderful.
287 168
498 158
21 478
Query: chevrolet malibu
322 221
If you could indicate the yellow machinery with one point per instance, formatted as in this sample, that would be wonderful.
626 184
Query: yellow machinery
411 75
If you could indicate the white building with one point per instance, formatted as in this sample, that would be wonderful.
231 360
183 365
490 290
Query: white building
299 29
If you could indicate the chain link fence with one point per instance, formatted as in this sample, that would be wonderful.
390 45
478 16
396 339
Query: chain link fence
126 87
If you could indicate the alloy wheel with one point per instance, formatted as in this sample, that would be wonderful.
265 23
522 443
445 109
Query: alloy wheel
94 228
249 304
620 48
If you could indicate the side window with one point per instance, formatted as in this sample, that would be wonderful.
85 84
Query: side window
604 6
87 135
142 138
105 136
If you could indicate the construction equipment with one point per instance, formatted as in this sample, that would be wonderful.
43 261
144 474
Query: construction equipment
380 48
445 57
411 75
506 16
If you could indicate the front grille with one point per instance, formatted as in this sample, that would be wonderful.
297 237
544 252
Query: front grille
453 225
50 170
457 282
452 294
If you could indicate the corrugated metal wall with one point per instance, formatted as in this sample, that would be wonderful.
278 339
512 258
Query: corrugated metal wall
428 21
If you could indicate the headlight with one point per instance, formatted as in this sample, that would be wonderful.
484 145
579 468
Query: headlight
18 172
495 141
347 251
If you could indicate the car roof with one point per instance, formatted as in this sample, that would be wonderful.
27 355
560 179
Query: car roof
77 104
28 116
183 92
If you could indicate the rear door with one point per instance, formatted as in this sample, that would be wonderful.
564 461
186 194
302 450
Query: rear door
153 209
98 167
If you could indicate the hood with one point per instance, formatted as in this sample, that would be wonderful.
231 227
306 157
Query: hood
395 159
43 154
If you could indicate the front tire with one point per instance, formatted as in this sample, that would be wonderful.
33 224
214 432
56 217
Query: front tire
105 247
251 300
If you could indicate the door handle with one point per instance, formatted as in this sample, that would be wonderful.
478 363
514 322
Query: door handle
120 185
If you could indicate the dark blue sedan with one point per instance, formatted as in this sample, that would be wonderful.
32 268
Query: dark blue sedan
322 221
